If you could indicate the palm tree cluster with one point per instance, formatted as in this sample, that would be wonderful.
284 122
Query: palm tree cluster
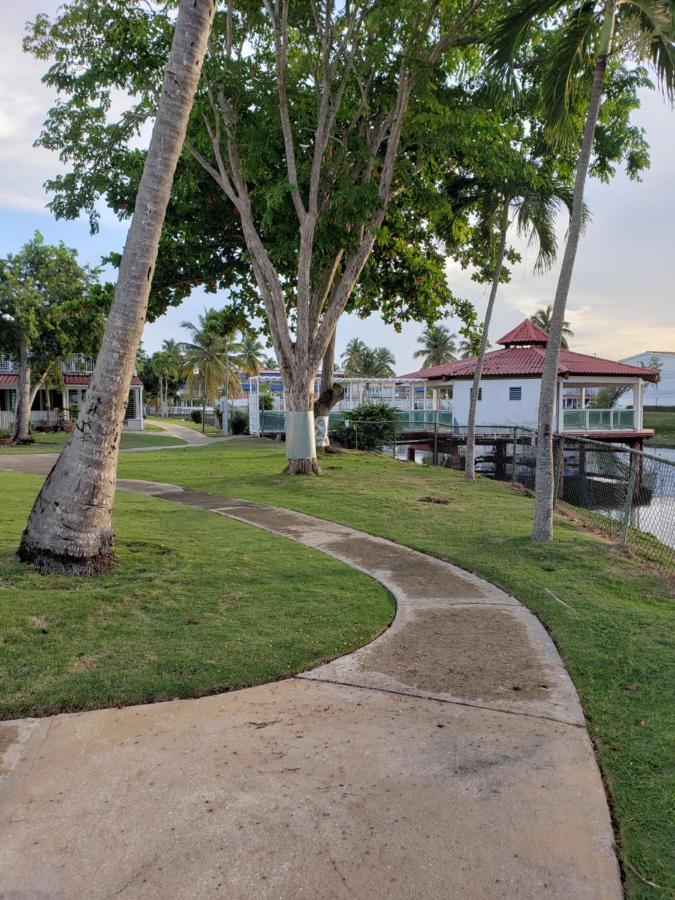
361 361
219 350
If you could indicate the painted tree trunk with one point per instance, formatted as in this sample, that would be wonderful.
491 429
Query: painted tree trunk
21 431
300 434
70 527
542 529
470 471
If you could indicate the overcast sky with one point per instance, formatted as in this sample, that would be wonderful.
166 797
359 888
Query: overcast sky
623 290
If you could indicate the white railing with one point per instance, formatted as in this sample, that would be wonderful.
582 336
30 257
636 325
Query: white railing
37 417
598 419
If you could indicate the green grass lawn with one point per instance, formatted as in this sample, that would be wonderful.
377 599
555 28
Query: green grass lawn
663 424
614 626
197 604
54 443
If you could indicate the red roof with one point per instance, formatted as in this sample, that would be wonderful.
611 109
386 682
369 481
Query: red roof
525 333
528 362
13 380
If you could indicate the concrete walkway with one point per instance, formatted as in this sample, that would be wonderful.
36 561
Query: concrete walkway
447 759
189 435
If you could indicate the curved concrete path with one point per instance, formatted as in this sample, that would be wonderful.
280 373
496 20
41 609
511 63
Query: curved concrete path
189 435
447 759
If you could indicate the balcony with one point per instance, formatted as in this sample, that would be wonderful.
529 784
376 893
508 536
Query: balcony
599 420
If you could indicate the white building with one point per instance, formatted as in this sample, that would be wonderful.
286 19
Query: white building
662 393
509 392
56 405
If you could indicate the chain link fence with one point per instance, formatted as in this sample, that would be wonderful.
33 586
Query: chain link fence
626 494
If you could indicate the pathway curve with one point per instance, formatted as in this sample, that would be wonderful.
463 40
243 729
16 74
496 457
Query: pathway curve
189 435
447 759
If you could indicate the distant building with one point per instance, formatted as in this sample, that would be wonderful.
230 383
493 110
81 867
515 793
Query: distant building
511 382
662 393
54 405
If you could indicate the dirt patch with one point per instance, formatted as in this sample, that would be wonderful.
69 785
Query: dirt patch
475 654
9 734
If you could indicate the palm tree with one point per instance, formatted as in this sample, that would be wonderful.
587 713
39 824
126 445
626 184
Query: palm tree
438 346
352 357
70 526
250 350
534 203
542 318
166 369
582 44
210 363
469 347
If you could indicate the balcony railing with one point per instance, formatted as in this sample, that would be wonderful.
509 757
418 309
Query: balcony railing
598 419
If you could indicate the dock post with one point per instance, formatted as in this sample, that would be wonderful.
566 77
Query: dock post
628 504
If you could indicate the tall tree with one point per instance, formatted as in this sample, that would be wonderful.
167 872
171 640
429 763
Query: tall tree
353 355
210 364
250 353
532 195
70 526
581 50
50 308
542 318
438 346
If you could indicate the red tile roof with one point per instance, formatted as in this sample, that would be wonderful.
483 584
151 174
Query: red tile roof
525 333
13 380
528 362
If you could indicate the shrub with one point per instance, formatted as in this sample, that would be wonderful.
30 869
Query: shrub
367 427
196 416
239 422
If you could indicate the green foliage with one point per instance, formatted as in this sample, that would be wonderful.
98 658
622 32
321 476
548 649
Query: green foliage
196 416
50 303
542 318
438 346
239 422
362 361
369 426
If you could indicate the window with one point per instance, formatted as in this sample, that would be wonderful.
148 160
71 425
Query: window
480 393
515 393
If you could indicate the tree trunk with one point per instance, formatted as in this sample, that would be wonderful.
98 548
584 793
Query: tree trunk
21 431
300 434
542 529
70 527
470 470
330 395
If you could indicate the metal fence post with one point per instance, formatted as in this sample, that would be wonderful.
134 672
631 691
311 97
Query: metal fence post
559 468
393 449
435 460
628 505
514 477
356 436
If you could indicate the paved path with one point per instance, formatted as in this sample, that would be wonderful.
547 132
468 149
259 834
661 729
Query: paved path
447 759
189 435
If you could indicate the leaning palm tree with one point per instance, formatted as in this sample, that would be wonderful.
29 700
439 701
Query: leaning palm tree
542 318
438 346
70 526
576 66
534 204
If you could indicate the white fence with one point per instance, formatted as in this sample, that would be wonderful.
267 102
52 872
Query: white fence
37 417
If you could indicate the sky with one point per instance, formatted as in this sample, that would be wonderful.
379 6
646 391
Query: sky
622 299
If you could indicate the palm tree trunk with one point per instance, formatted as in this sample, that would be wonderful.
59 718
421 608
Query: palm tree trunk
21 431
542 529
470 470
70 527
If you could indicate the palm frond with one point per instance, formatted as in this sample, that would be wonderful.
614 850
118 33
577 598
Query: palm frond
656 22
511 33
568 72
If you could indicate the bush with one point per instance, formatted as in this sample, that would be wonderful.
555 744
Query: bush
367 427
196 416
239 422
